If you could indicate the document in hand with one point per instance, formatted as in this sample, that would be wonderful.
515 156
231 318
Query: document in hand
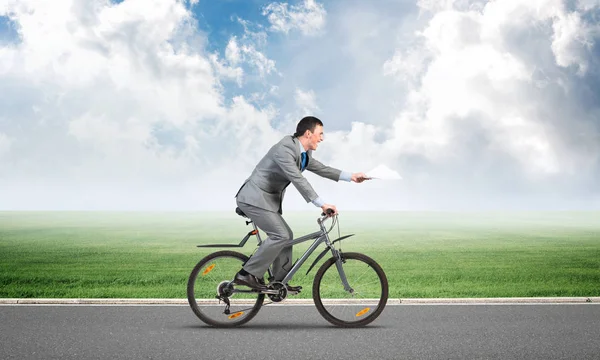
384 173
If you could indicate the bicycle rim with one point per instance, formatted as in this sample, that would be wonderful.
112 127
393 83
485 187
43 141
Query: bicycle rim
351 309
214 272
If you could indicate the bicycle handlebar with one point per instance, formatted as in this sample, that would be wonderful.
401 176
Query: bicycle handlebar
329 212
325 216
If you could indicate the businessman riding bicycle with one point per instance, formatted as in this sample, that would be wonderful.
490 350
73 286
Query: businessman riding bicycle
261 196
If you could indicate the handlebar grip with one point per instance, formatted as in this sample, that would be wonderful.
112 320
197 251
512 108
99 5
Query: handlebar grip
329 212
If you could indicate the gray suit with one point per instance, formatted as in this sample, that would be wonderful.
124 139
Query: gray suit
261 196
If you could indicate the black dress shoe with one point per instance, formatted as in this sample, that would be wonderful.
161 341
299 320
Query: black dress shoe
250 281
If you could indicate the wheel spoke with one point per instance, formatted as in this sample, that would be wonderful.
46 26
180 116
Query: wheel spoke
343 308
209 280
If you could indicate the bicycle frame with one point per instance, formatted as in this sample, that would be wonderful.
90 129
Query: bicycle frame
320 237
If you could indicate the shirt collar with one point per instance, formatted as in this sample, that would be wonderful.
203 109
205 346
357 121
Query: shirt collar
300 146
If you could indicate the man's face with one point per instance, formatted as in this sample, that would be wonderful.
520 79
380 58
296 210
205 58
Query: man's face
314 138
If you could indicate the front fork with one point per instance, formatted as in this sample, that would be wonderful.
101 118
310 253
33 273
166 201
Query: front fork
339 260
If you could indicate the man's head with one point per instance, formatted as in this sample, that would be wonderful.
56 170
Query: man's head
310 132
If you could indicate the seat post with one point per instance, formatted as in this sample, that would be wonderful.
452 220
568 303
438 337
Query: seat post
257 233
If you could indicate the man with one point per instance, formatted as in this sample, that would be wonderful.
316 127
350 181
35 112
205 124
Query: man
261 195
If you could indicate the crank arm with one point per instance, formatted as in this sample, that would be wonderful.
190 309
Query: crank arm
236 291
273 292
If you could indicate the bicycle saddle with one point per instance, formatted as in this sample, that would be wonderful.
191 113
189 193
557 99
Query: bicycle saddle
240 212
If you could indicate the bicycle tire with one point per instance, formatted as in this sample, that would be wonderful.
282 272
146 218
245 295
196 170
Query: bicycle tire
191 288
324 309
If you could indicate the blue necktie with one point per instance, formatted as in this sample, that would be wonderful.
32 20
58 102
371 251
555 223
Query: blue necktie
303 161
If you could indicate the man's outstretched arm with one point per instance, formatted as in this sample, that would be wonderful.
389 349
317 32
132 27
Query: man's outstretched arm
327 171
332 173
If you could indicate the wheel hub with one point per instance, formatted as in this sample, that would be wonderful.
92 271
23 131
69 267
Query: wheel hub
225 289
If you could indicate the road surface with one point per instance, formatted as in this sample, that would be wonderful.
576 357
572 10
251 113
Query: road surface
565 331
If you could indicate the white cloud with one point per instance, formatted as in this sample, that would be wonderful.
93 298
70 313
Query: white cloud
308 17
474 72
406 67
571 39
258 60
117 95
248 50
306 101
253 32
227 72
119 106
232 52
5 143
236 56
491 110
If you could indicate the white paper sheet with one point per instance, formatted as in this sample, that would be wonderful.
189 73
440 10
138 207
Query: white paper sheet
384 173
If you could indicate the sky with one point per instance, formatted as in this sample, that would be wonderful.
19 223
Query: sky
167 105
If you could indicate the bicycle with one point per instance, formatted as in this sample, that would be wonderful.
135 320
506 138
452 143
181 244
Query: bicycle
352 293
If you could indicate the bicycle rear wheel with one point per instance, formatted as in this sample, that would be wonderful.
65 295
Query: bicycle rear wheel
208 290
358 307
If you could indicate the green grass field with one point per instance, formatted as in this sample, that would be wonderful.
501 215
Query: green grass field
425 255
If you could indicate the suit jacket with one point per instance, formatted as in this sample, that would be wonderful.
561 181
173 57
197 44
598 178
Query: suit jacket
266 185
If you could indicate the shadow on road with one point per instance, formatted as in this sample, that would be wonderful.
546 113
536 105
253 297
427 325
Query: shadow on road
281 326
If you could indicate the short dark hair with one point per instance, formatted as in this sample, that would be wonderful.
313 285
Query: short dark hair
307 123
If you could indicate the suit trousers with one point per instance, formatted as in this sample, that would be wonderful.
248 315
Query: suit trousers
275 249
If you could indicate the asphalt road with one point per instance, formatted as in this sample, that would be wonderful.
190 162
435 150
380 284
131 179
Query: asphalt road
298 332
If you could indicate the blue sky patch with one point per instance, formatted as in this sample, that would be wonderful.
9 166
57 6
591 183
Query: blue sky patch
218 19
8 30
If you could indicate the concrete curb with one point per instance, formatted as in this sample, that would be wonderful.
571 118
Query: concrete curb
522 300
414 301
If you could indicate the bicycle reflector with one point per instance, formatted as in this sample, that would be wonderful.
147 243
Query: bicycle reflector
363 311
237 314
208 269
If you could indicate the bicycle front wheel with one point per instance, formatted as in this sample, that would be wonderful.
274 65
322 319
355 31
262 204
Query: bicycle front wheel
209 289
357 306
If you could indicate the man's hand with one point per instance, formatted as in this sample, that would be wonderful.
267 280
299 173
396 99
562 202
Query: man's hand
359 177
327 206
